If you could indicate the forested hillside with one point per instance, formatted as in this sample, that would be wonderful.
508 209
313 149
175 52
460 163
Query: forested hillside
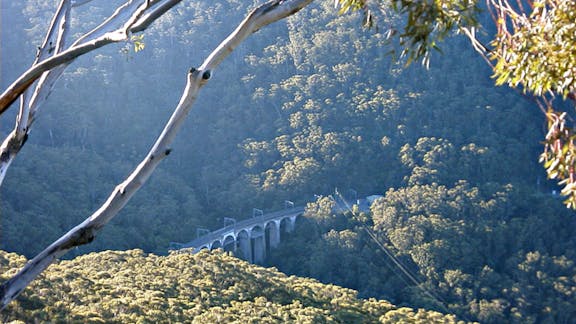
310 105
132 287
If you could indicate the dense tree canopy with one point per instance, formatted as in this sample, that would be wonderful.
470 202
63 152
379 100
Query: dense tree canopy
466 210
530 46
131 286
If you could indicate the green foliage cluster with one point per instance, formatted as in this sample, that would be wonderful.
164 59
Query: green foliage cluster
532 48
559 156
423 24
208 287
537 51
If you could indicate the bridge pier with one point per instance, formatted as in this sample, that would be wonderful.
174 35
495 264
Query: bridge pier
258 245
273 234
286 225
244 246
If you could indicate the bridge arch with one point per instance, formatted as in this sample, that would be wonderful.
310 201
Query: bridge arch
215 245
229 243
243 245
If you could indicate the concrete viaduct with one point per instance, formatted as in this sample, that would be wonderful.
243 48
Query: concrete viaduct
249 239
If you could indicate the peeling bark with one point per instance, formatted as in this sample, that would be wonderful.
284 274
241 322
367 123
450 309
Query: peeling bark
85 232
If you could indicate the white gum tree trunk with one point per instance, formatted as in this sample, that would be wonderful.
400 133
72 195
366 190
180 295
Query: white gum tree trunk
139 19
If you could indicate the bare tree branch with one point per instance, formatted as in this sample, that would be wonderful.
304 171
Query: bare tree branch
86 231
29 102
123 20
157 9
78 3
54 43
